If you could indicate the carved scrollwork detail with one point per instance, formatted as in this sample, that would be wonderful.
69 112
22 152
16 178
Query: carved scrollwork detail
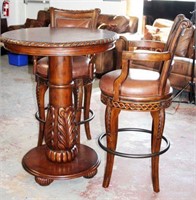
49 127
109 37
64 148
136 106
62 156
66 128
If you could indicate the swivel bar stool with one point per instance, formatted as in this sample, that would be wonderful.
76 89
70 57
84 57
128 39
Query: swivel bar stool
83 69
140 90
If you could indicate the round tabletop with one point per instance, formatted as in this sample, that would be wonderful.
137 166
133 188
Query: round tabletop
47 41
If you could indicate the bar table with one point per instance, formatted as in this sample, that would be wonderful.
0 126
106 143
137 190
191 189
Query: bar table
61 157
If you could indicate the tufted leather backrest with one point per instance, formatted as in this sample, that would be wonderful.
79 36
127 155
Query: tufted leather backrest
74 18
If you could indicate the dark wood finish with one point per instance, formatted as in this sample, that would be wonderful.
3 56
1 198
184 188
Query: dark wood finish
74 18
60 132
49 171
58 41
82 81
141 90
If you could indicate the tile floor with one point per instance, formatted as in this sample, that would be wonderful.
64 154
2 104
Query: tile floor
131 178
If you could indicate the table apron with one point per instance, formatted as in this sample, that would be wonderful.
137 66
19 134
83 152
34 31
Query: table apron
59 51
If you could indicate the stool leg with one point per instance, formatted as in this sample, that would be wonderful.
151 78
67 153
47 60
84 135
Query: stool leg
157 131
78 98
87 99
41 88
111 123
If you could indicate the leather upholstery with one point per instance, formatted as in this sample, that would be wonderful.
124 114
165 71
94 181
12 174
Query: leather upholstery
81 64
80 67
80 23
43 20
139 84
110 60
181 70
118 23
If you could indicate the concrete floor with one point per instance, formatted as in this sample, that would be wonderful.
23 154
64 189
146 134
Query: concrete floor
131 178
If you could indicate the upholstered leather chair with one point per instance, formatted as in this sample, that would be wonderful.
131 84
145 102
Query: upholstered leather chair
82 68
140 90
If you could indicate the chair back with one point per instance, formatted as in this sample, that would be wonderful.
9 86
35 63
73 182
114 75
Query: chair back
180 25
173 30
74 18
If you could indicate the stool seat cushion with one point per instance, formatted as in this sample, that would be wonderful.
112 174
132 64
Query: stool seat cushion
80 67
140 84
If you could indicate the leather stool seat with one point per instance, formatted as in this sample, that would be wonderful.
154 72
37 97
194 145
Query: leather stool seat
80 67
139 84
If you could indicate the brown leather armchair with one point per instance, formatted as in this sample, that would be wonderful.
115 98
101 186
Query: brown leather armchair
181 72
43 20
111 60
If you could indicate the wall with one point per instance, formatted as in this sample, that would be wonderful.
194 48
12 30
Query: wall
15 14
110 7
19 11
135 8
33 8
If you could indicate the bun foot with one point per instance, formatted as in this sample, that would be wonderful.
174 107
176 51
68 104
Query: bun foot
43 181
91 174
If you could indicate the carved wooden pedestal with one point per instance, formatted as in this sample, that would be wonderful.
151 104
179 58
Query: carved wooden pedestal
36 163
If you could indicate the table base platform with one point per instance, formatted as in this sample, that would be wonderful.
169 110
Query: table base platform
45 171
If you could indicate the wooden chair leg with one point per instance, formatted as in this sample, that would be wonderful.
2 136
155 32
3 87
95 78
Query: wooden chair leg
111 121
157 132
87 99
78 98
41 88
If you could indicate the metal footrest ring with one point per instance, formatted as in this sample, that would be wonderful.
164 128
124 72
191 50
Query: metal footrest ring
38 118
79 123
87 120
128 155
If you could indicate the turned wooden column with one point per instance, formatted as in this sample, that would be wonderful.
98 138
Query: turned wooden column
60 132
